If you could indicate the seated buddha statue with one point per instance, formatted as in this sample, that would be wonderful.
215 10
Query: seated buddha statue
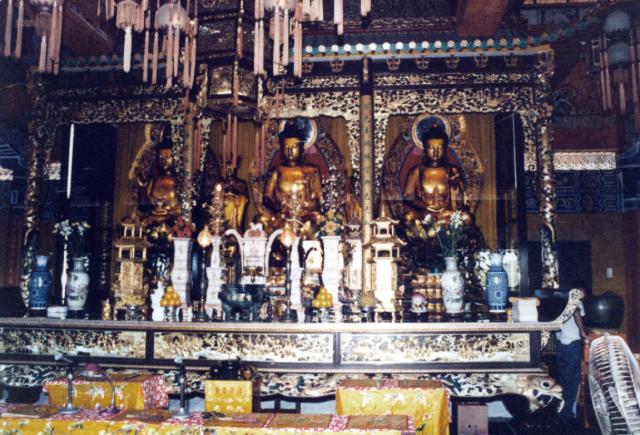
161 185
435 187
293 190
236 199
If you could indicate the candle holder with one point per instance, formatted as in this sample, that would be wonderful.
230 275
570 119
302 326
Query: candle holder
94 371
182 412
204 240
287 238
68 409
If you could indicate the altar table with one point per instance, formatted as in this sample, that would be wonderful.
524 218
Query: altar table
141 391
156 422
427 402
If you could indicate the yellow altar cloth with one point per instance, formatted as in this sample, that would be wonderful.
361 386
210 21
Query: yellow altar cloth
228 397
132 392
20 420
426 401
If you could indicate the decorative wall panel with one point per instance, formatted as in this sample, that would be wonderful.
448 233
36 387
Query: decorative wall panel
434 348
283 348
97 343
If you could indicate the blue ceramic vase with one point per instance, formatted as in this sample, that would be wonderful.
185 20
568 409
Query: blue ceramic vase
39 284
497 285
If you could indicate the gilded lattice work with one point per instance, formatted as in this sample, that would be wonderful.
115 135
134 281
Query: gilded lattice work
433 348
283 348
117 344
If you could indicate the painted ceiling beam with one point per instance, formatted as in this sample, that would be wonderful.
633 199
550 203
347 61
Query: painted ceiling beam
479 18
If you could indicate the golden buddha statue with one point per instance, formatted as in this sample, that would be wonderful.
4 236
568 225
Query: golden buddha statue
435 187
161 185
236 199
293 190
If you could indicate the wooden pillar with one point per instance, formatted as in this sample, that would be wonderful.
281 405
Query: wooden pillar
547 189
37 134
366 169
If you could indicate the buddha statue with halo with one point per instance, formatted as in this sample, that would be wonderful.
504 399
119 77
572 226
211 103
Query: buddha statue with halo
236 198
161 184
435 187
293 190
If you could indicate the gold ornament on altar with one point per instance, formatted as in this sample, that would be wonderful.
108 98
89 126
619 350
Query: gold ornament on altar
131 256
435 187
217 211
293 190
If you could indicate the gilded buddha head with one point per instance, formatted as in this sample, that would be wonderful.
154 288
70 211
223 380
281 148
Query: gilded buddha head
435 142
292 139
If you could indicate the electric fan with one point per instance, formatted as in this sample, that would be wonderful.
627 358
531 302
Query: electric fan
614 380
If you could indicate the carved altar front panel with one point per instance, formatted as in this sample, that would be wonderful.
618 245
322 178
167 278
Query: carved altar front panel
97 343
281 348
434 348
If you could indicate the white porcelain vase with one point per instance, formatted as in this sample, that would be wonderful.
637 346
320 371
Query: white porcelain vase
77 288
452 287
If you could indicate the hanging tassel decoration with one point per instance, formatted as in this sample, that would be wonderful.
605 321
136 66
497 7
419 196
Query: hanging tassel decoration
634 77
194 44
365 7
258 53
603 81
338 17
58 38
126 61
186 74
256 38
285 38
176 51
607 76
276 39
154 59
52 38
622 96
8 29
20 28
297 40
239 39
145 57
169 51
235 141
42 63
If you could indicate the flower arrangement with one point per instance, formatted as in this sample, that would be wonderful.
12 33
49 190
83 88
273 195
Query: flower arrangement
333 225
183 229
449 232
73 234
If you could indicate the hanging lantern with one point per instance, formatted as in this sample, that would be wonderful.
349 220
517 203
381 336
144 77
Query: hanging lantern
130 17
619 64
49 28
174 21
48 25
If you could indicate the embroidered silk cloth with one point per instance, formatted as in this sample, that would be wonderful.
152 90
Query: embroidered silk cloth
132 392
27 420
426 401
228 397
